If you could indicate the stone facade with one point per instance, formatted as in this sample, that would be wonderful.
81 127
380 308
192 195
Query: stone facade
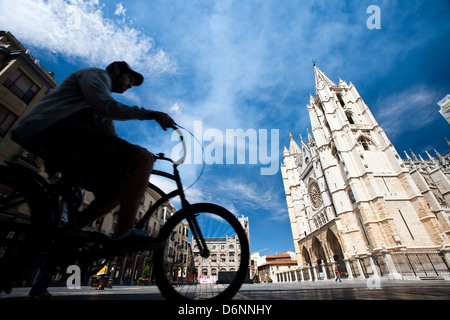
224 253
23 83
349 193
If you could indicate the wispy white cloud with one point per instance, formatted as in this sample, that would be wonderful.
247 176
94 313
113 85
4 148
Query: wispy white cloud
80 30
416 104
120 10
254 196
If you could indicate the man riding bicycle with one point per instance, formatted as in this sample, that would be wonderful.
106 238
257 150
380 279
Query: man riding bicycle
72 129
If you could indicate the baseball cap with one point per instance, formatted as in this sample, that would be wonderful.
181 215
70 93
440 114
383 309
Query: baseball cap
124 67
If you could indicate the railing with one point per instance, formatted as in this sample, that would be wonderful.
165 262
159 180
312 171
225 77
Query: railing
421 263
411 264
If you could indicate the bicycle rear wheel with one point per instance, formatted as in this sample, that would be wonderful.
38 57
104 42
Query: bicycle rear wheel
20 240
182 273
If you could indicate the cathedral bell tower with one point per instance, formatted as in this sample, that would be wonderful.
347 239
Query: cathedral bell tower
353 194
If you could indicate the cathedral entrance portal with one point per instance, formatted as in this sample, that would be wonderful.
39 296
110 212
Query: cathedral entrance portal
306 257
336 252
335 246
321 254
318 252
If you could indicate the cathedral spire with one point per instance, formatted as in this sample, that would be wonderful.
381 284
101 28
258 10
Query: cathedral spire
414 156
293 146
440 158
407 155
321 79
432 158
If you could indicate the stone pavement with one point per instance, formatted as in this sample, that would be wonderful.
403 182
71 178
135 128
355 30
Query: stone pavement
369 289
318 290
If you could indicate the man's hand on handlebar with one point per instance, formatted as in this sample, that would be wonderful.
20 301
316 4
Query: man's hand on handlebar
164 120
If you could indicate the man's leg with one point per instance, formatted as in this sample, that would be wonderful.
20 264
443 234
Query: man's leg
129 199
133 191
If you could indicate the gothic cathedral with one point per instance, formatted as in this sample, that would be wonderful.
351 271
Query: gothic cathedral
348 191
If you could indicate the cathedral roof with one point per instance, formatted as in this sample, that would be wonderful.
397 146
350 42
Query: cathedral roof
293 146
322 77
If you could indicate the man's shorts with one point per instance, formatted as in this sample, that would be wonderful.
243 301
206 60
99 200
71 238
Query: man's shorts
96 161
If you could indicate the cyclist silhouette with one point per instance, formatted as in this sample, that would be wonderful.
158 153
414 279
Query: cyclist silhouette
72 129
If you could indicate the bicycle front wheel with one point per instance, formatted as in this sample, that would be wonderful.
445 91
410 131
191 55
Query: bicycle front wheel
182 272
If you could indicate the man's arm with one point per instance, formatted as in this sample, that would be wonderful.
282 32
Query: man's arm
96 88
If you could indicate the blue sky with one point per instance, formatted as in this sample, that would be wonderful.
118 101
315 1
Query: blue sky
247 65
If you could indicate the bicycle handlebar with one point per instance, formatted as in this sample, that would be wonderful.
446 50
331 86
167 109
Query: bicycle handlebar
176 128
161 156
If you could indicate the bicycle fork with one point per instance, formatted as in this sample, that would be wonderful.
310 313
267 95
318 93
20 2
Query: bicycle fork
192 220
197 234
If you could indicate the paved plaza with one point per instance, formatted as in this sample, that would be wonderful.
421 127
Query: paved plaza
254 301
318 290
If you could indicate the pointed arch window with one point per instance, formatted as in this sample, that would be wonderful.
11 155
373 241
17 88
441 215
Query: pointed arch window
351 196
348 114
363 142
341 101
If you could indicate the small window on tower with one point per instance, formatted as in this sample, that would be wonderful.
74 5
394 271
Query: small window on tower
341 101
364 143
351 196
349 117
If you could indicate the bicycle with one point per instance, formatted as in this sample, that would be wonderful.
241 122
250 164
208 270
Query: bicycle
195 229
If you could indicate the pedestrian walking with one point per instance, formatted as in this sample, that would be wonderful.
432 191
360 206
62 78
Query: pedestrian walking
338 277
101 276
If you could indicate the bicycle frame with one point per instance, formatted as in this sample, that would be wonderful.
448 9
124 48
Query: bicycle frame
186 206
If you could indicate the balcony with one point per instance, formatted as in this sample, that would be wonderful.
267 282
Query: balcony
24 96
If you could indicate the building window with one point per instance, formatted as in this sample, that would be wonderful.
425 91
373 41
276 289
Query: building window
349 117
341 101
7 119
364 143
351 196
22 86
